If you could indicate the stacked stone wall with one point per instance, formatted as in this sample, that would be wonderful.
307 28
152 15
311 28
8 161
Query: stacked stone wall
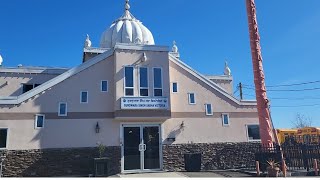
213 156
57 162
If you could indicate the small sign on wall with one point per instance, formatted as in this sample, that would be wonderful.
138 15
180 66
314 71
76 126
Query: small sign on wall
144 103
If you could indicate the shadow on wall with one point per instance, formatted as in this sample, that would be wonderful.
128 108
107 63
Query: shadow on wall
175 132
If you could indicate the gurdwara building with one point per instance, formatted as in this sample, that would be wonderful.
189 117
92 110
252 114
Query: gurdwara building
131 95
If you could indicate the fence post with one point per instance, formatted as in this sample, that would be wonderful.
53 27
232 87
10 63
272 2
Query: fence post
304 157
315 166
258 168
284 168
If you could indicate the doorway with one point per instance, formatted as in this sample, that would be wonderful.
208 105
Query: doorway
141 148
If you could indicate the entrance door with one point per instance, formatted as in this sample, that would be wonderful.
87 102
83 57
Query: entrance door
141 147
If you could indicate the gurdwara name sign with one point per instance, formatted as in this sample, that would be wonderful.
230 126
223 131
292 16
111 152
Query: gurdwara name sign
144 103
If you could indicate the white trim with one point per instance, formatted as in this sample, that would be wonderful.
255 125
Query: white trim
210 83
7 140
138 47
124 81
189 99
247 133
65 110
81 97
153 88
222 118
101 85
36 121
147 81
172 87
47 85
206 108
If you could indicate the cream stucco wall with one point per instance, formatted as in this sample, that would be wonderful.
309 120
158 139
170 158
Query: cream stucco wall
60 133
77 129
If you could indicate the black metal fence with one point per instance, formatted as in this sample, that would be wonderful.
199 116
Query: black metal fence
296 156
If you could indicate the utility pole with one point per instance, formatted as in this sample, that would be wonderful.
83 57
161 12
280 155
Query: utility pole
260 88
240 88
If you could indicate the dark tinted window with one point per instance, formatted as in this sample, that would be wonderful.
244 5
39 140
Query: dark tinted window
174 87
40 120
26 87
253 132
129 76
3 138
104 86
84 97
157 78
143 77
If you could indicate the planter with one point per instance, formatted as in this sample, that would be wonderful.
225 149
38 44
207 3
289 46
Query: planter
101 167
273 172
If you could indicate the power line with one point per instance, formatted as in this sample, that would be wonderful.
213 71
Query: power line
305 105
286 85
287 98
288 90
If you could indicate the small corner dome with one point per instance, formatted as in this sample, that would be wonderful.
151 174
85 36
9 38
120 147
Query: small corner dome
126 29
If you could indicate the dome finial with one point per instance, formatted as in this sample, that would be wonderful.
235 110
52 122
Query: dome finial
227 70
1 60
174 47
127 6
87 43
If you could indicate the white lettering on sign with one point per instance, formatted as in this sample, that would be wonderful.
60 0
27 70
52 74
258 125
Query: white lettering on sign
144 103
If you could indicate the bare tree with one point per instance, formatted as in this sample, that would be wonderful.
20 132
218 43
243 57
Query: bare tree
302 121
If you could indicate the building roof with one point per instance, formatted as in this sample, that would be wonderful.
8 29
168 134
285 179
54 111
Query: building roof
49 84
126 29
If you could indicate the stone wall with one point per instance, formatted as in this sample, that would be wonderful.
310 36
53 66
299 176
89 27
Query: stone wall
213 156
57 162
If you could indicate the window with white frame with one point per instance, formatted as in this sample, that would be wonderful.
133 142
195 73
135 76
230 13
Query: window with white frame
174 87
128 81
143 79
253 132
225 119
3 138
157 82
208 109
39 121
62 109
192 98
104 86
84 97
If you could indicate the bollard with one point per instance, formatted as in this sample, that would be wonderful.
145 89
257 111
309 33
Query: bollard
284 168
315 167
258 168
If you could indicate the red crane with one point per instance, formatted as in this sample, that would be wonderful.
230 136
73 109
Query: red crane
265 122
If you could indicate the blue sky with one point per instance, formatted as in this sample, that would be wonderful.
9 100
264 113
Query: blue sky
52 32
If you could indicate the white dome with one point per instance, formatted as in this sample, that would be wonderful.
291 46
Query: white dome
126 29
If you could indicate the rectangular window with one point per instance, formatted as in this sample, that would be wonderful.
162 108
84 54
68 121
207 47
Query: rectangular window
128 81
157 82
26 87
84 97
225 120
192 99
209 110
39 121
253 132
104 86
144 86
3 138
174 87
62 109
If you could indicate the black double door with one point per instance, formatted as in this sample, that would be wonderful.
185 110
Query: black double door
141 147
